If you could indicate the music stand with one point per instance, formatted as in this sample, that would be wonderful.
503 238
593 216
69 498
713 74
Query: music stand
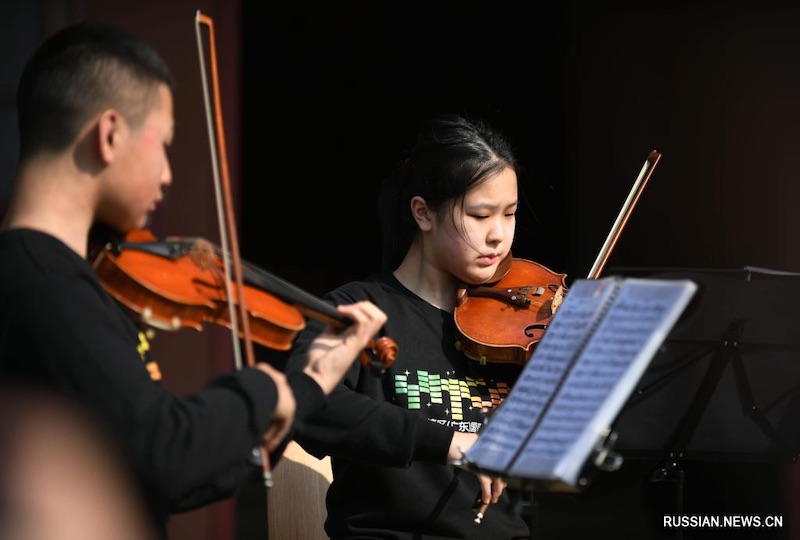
725 385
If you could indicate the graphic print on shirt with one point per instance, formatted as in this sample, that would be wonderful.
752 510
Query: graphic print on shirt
144 351
452 400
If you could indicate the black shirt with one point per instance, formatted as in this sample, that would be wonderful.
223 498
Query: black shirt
389 436
60 329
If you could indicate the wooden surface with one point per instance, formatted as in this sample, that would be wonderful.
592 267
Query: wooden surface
296 503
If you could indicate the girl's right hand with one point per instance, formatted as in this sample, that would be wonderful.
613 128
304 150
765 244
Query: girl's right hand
491 488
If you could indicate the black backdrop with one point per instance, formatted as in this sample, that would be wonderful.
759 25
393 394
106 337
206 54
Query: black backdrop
333 94
333 97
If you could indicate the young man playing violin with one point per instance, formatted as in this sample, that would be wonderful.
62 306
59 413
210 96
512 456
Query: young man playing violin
95 120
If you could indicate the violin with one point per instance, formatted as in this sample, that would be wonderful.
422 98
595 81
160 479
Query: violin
180 283
502 320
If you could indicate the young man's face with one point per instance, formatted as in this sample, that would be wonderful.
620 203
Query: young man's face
141 168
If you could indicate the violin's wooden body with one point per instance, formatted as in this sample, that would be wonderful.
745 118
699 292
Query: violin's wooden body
175 288
180 283
502 321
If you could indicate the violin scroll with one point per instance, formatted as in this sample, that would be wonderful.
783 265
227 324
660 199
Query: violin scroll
380 355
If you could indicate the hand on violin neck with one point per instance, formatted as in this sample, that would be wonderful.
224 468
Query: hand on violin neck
333 352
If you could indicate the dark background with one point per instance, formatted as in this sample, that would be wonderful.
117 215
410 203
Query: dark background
332 97
343 92
321 100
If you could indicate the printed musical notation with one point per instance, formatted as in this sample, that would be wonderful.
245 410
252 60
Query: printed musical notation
581 373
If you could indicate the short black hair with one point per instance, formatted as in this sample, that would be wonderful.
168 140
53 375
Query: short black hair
78 72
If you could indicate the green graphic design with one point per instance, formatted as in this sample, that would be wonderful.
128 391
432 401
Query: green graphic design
430 389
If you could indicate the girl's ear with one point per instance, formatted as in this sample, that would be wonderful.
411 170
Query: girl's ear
422 214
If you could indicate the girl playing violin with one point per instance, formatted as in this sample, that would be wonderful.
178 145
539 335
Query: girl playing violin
448 218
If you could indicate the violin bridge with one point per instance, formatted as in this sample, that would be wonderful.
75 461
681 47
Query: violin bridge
558 297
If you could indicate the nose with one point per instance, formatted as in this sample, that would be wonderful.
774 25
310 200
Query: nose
166 174
497 231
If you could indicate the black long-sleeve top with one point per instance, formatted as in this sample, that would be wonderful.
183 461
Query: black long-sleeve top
61 330
389 436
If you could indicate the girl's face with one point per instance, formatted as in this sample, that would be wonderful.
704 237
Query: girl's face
472 242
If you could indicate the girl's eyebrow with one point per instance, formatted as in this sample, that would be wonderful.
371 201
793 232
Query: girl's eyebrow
487 205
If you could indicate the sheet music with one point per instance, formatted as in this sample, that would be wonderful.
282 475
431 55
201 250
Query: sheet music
568 394
501 439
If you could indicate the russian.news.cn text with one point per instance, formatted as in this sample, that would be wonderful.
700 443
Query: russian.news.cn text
729 521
